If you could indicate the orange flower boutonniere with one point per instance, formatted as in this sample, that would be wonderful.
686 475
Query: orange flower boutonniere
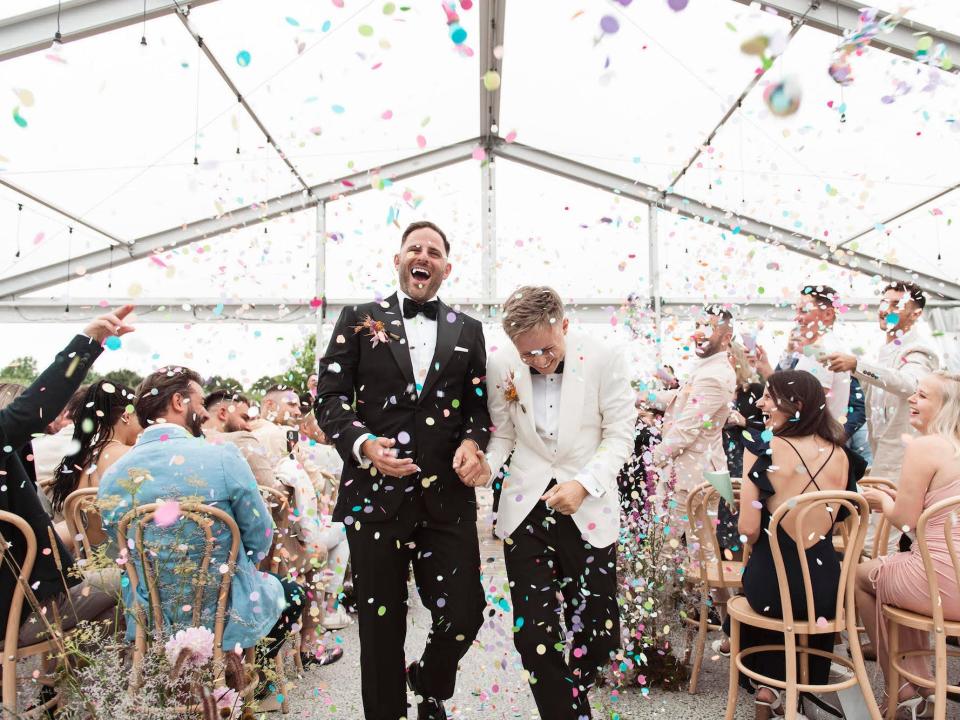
376 331
510 393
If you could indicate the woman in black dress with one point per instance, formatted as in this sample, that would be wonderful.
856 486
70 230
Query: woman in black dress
801 451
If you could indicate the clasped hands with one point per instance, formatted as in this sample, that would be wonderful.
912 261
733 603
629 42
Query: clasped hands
469 461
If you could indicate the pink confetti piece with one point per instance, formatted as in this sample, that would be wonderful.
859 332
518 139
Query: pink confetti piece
167 514
421 141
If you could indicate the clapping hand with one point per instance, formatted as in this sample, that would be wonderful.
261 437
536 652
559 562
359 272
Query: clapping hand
471 465
109 324
762 362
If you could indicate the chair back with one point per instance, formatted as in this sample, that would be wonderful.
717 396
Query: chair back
945 513
75 509
802 507
22 572
702 511
881 538
279 506
203 517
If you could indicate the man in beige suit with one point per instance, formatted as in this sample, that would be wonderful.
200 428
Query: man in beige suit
229 421
696 413
893 378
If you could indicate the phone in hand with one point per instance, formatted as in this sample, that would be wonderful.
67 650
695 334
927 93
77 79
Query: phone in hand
292 438
750 342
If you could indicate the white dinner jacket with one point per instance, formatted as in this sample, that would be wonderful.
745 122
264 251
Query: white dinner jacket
595 435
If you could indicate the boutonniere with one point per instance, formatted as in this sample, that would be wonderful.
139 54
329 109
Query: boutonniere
376 331
510 393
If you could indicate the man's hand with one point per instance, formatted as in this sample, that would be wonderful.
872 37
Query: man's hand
379 451
762 362
839 362
471 464
566 498
109 324
736 419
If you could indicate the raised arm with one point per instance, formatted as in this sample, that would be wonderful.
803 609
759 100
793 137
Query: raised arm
901 381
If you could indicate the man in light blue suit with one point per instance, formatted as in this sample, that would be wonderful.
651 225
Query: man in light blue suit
172 461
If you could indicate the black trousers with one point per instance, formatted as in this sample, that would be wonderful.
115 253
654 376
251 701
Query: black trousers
546 560
446 567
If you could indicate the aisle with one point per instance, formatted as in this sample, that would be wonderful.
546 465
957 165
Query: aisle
489 686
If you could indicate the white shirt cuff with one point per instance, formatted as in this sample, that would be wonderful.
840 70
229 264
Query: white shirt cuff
590 483
364 462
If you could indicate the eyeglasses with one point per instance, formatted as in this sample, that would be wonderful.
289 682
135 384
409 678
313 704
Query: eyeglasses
537 355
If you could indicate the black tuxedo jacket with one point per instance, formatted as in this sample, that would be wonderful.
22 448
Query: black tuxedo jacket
370 390
25 417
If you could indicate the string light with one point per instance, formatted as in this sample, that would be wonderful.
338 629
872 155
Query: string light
19 217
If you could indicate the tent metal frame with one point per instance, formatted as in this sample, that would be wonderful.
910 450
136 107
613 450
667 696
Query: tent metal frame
85 18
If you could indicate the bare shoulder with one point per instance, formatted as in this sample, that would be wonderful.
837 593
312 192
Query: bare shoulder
929 449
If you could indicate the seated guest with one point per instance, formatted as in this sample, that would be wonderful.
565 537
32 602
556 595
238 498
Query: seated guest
319 454
52 579
172 462
806 454
104 429
228 420
930 473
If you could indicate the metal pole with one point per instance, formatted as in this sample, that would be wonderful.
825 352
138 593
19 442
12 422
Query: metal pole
321 276
488 233
653 249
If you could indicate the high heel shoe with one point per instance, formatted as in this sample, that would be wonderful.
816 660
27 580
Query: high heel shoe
774 708
919 706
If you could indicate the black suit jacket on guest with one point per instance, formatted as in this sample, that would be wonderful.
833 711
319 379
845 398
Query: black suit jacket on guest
370 390
25 417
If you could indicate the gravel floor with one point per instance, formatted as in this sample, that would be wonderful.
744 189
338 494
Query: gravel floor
489 686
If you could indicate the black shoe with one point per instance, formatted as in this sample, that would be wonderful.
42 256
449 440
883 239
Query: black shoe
427 708
328 657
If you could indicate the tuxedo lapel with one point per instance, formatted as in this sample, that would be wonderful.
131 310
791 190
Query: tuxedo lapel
571 396
393 322
449 325
524 385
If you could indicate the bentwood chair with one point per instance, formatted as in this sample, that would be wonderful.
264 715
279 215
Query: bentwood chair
708 569
76 511
943 513
795 631
12 651
203 517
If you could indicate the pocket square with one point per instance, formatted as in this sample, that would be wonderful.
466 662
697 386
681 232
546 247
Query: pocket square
460 349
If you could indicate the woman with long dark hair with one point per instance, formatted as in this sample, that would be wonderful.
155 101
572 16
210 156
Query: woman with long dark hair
105 428
806 453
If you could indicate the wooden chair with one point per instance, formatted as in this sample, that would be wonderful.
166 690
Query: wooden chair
796 631
279 505
75 509
881 539
12 651
708 570
935 623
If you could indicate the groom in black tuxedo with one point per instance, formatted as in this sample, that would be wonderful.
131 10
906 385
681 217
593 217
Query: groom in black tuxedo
402 393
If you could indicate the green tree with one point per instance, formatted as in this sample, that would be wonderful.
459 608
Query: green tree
124 376
20 369
217 382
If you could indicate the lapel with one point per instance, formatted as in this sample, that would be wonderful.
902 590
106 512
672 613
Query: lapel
571 394
449 325
392 319
523 382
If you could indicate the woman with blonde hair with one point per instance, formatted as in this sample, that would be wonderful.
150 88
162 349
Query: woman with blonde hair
930 473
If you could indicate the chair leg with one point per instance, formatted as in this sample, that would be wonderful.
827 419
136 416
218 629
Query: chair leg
9 684
804 662
282 680
893 674
297 649
860 670
793 695
734 686
701 641
940 677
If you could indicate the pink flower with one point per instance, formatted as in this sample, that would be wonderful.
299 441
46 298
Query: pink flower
227 699
197 640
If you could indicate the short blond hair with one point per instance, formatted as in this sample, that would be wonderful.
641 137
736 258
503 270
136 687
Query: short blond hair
529 307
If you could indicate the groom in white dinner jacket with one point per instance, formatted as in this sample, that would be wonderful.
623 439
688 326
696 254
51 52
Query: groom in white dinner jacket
562 404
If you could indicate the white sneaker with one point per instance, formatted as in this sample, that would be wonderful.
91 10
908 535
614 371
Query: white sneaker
337 620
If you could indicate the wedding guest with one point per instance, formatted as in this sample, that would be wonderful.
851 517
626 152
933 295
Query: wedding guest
807 453
930 473
893 378
174 462
229 421
104 429
695 414
51 580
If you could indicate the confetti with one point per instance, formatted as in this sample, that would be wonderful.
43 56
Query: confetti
243 58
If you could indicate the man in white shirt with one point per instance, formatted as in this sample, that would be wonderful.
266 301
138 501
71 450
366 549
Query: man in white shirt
562 404
893 378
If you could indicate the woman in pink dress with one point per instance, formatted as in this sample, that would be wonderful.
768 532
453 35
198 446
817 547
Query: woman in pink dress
931 473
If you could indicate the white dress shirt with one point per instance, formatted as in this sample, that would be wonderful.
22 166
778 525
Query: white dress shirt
546 417
421 334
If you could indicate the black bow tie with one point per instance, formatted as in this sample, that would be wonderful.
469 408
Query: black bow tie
558 371
411 308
